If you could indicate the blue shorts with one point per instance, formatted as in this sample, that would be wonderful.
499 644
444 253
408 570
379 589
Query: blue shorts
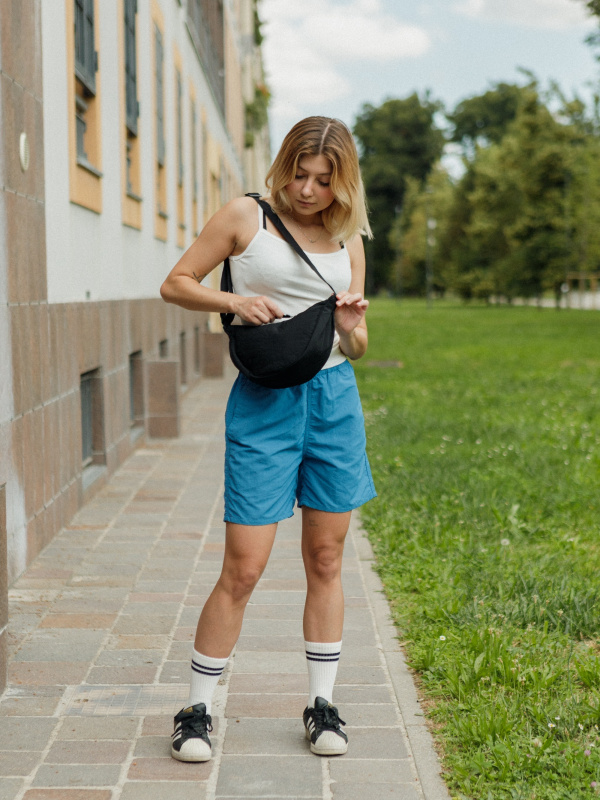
304 444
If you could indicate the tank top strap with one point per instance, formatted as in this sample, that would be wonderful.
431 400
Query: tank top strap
262 218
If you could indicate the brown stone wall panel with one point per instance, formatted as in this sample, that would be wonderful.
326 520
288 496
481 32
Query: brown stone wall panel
12 125
121 348
97 327
54 350
34 365
32 181
3 659
22 114
36 272
3 563
103 336
16 347
51 447
213 354
45 358
123 449
135 320
122 411
18 448
163 388
28 465
71 503
20 33
163 427
37 446
17 248
35 538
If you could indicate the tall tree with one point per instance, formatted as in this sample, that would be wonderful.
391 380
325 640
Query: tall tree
397 140
485 118
518 231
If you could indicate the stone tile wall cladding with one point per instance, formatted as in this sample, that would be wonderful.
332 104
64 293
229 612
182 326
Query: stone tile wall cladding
51 345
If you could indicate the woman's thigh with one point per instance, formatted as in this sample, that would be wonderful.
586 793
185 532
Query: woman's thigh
247 550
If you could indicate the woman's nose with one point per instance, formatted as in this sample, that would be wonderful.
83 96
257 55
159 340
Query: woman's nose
307 188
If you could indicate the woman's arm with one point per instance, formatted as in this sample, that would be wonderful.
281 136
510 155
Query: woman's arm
219 239
350 320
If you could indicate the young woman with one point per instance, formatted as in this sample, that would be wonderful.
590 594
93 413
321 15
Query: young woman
304 444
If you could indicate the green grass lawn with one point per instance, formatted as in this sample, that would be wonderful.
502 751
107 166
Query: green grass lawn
485 453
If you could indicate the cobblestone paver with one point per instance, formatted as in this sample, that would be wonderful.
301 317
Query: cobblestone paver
101 626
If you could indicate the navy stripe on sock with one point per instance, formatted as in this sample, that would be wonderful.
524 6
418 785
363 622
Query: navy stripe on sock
322 658
215 671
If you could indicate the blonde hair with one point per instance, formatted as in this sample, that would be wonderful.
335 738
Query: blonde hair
322 136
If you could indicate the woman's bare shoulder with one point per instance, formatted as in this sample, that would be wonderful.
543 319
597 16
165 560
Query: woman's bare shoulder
355 247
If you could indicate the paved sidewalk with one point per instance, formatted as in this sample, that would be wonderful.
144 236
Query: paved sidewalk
101 625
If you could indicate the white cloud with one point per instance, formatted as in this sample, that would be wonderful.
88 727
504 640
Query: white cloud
549 14
307 43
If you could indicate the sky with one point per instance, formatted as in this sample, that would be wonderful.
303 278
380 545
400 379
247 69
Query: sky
331 56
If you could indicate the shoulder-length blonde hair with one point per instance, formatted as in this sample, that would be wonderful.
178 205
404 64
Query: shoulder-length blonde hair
322 136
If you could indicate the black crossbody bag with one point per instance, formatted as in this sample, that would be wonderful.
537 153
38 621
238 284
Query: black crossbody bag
285 353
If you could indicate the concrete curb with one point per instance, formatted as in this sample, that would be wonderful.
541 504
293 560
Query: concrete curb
425 758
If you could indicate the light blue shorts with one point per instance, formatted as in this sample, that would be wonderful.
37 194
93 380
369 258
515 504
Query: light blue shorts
304 444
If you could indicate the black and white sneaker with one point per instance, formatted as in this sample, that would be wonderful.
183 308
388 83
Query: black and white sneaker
322 724
190 738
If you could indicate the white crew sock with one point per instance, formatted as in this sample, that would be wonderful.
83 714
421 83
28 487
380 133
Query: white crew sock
206 672
322 659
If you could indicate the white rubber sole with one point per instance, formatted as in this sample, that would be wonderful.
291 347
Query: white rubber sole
333 745
191 757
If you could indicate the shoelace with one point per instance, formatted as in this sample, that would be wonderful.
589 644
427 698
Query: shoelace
328 717
201 725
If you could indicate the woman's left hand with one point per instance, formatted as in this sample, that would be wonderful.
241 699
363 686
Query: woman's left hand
350 311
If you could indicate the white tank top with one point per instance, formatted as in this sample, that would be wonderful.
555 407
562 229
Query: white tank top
269 267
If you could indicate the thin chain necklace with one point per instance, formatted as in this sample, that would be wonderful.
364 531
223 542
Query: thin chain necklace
301 228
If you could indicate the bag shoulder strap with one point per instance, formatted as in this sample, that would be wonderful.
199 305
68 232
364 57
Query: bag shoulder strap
274 218
226 282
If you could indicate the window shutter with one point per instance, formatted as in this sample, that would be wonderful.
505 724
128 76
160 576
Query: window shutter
160 125
131 103
86 58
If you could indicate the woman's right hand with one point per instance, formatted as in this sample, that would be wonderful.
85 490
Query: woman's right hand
256 310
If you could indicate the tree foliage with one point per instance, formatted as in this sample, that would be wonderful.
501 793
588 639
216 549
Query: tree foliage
486 117
398 140
526 210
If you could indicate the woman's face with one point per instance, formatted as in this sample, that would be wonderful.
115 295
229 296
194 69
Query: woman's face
309 192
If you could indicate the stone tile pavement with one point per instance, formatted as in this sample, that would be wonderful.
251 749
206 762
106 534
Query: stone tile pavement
101 625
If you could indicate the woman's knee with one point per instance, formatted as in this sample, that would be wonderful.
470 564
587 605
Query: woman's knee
239 580
323 564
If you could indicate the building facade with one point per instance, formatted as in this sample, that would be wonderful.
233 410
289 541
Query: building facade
124 124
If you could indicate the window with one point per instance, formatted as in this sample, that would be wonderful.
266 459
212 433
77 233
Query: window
136 390
132 212
84 104
161 184
86 419
92 424
163 348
